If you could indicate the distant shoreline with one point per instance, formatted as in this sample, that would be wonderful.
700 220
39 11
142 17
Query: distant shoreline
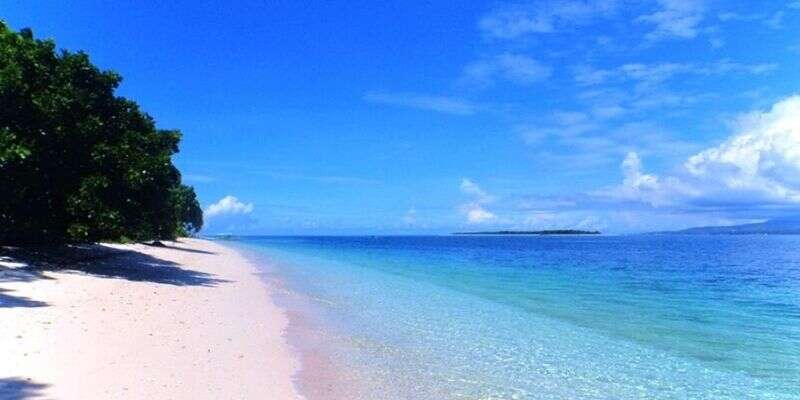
543 232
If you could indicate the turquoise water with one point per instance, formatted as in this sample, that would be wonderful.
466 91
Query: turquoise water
631 317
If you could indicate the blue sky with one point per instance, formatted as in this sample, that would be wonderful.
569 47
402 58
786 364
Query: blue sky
394 117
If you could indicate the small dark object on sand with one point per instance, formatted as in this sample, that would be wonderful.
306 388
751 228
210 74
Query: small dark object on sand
156 243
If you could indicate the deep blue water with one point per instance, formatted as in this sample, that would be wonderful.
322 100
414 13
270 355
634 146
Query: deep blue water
600 317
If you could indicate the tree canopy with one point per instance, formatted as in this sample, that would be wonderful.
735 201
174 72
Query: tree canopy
77 162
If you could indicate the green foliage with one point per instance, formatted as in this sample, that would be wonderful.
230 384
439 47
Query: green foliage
78 163
188 210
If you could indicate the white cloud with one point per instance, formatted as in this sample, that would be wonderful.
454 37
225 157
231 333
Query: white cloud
726 66
448 105
654 73
675 19
476 214
566 127
775 21
764 158
587 75
469 187
732 16
228 205
634 177
754 171
587 141
650 86
552 219
515 68
759 165
543 17
474 211
410 218
608 111
753 174
639 186
228 215
650 75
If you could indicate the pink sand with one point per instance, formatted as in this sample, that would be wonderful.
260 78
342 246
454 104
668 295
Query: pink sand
191 336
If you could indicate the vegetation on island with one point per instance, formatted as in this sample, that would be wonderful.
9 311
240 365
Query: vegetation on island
77 162
544 232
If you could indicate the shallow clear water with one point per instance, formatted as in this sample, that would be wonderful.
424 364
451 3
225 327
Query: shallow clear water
644 317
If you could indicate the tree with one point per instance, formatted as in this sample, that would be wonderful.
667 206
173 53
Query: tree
77 162
187 210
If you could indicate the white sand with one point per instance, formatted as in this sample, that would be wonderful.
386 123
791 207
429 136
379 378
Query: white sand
115 333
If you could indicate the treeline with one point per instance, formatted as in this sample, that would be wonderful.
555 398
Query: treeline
77 162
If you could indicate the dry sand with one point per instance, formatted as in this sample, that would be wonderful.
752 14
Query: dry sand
187 321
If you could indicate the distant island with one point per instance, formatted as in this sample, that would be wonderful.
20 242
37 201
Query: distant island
544 232
780 226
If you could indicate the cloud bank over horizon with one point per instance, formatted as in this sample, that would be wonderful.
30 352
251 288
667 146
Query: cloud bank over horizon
758 166
754 174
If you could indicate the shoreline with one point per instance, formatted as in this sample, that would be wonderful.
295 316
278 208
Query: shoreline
187 321
321 376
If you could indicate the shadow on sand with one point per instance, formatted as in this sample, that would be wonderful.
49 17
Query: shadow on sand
19 388
9 301
140 267
9 274
99 261
188 250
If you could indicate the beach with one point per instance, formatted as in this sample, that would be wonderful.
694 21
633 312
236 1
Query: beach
422 317
190 320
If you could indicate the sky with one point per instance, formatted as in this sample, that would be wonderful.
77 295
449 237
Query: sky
352 117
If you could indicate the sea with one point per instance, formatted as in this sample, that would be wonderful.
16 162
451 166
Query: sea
539 317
